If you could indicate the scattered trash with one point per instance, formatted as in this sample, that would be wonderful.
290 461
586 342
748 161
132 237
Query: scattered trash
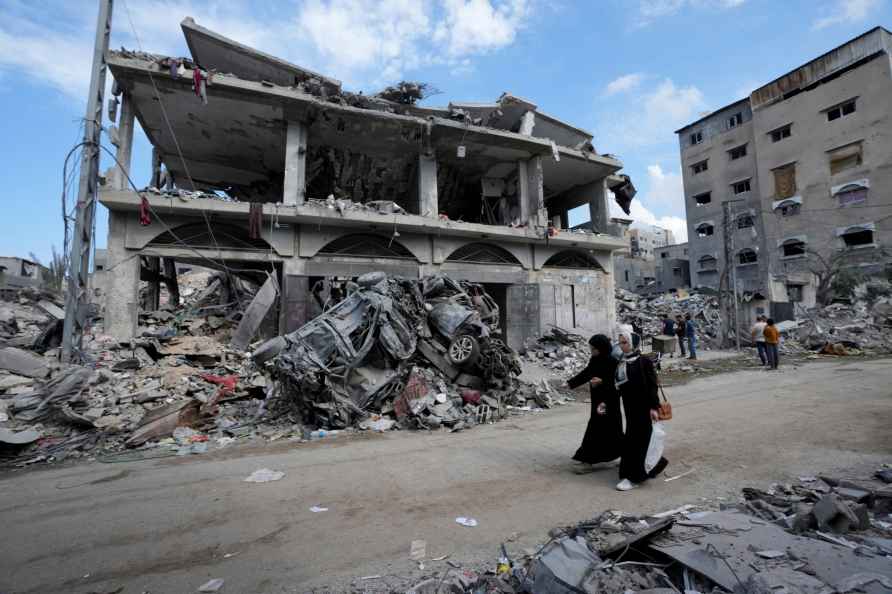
211 586
264 475
469 522
316 509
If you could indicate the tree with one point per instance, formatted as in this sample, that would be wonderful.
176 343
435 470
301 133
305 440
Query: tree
833 273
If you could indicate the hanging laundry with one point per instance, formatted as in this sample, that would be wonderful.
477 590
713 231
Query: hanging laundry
145 217
255 220
200 81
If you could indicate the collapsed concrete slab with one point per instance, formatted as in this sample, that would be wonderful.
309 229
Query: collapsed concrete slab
264 167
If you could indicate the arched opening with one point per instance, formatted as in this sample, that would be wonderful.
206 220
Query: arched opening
482 253
705 229
793 248
366 245
206 236
747 256
708 264
572 259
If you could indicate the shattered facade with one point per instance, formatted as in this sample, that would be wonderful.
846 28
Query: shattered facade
802 167
263 166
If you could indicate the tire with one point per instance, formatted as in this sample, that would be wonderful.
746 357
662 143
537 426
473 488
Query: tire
464 350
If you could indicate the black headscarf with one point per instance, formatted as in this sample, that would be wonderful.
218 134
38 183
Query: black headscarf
602 343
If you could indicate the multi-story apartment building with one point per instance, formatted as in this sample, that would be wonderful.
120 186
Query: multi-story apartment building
643 242
792 179
673 270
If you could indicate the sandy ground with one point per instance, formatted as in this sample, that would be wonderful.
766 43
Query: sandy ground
169 525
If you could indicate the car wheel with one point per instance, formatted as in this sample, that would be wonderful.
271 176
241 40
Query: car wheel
464 350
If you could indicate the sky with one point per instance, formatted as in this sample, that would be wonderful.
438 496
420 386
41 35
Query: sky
629 71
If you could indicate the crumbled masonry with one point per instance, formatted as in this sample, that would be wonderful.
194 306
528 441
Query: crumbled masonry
391 353
786 539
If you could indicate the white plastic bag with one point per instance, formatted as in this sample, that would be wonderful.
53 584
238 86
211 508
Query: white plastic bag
655 447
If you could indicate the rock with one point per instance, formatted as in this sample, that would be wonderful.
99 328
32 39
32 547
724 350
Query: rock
22 362
832 513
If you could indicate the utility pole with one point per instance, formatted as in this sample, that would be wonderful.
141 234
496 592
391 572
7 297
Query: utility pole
77 299
729 259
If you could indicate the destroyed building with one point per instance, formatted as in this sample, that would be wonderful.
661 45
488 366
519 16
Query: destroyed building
19 273
792 179
261 166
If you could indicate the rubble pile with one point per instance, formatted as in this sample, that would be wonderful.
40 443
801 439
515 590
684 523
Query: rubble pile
648 312
848 329
822 535
420 355
559 350
387 353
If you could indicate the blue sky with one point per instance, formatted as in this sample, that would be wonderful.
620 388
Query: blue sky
629 71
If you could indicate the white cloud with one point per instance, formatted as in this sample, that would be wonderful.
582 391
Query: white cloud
651 117
645 218
623 84
665 189
365 44
662 191
478 26
650 10
847 12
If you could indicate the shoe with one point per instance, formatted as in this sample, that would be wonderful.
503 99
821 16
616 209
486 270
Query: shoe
626 485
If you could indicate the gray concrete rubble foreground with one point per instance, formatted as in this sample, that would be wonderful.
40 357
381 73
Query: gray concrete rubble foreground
346 183
172 525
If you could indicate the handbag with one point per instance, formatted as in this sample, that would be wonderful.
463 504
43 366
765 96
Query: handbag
665 412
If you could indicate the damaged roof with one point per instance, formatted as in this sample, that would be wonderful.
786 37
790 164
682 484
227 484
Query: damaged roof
237 139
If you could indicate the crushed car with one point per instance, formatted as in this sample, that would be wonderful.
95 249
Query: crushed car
356 356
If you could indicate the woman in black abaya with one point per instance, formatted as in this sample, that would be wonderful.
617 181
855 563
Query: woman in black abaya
604 433
636 381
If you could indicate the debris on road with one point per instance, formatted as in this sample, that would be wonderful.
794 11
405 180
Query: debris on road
757 545
469 522
385 354
211 586
264 475
318 510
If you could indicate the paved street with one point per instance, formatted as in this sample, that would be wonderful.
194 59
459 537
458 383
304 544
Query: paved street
169 525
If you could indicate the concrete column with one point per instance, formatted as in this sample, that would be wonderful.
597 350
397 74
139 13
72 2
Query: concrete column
527 123
599 209
122 282
295 186
295 297
152 275
427 186
170 279
156 168
125 142
532 192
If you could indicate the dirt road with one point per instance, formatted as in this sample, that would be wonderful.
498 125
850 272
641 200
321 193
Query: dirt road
167 526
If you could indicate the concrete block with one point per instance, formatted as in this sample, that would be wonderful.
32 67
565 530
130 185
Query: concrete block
52 309
22 362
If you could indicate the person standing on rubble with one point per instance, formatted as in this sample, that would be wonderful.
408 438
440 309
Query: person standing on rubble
758 334
680 333
691 331
772 338
604 433
636 382
668 328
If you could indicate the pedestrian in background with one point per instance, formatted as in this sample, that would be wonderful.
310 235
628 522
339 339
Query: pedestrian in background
637 337
636 382
668 328
691 332
604 433
680 333
758 334
772 338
